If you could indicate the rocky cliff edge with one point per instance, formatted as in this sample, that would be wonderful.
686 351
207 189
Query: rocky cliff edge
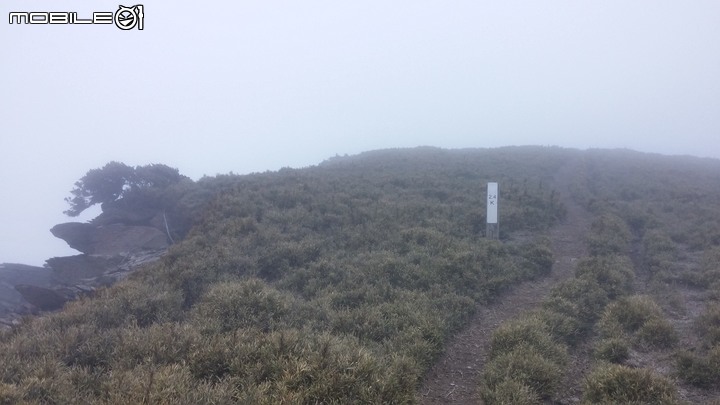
110 251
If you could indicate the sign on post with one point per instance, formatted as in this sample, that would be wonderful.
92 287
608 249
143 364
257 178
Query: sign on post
493 225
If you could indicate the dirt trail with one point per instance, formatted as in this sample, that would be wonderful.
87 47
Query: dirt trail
454 379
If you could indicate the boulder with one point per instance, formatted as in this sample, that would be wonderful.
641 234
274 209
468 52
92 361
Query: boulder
14 273
44 299
119 239
78 235
110 239
111 251
73 269
11 274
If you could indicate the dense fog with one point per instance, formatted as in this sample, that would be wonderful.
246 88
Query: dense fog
254 86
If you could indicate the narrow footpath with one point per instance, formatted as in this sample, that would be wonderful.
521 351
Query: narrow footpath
455 378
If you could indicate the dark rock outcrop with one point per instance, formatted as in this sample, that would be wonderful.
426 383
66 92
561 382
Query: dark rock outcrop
95 271
78 235
117 238
113 245
28 290
11 274
110 239
81 267
45 299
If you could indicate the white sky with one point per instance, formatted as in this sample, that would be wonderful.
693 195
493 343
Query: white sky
243 86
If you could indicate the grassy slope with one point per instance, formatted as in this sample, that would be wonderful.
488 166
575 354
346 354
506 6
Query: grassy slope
337 283
670 326
654 234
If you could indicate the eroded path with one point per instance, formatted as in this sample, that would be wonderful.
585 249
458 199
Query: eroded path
454 379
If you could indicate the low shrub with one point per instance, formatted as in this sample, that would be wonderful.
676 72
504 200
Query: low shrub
77 345
510 391
563 327
691 277
638 219
707 325
608 235
49 391
169 384
711 267
13 367
526 361
528 331
699 370
525 366
657 333
295 366
85 346
615 384
241 304
612 350
582 299
628 315
9 394
49 385
538 256
659 250
131 301
157 344
89 383
612 273
210 358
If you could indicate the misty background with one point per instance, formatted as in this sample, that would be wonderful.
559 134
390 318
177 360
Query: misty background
247 86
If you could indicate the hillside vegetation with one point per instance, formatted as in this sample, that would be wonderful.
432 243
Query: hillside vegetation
343 282
643 305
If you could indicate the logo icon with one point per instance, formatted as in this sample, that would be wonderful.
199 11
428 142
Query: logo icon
126 18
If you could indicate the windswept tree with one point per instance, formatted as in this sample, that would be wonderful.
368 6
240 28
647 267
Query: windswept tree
156 176
116 180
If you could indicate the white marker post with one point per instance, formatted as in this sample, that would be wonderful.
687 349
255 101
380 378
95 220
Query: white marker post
493 226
